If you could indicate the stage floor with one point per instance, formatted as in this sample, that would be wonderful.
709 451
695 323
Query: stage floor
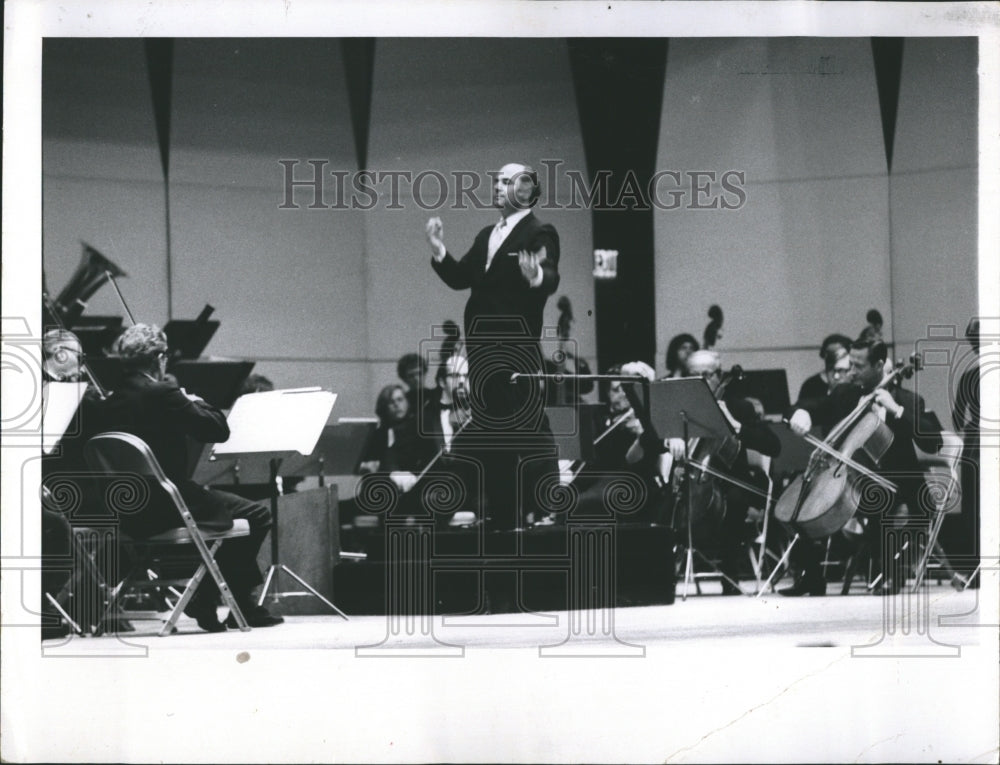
772 621
709 679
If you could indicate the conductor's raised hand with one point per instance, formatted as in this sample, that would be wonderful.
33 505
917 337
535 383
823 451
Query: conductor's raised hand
530 263
435 237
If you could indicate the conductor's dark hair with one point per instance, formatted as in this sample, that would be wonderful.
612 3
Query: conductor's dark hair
877 350
835 338
384 399
675 345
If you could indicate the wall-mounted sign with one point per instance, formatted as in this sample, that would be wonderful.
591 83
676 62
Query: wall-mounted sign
605 264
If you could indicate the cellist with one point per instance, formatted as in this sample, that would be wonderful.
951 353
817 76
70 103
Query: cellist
752 433
911 423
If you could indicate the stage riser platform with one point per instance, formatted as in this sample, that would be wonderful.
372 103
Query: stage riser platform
416 569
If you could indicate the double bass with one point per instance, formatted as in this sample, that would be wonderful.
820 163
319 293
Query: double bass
822 500
570 374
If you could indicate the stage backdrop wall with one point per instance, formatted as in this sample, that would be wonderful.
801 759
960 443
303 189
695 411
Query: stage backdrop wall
334 297
825 232
933 207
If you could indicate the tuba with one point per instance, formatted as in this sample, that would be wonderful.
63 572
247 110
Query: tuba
93 272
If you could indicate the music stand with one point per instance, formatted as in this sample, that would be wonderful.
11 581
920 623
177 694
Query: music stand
218 381
337 451
685 408
269 427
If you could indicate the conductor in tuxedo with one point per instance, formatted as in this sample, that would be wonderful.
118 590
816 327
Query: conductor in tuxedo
510 270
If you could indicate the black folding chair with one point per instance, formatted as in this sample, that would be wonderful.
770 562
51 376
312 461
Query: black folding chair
129 457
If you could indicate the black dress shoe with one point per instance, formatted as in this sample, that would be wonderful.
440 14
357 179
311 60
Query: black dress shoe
205 614
256 616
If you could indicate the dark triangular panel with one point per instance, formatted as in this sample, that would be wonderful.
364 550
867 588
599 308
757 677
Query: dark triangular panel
619 93
359 65
160 62
888 55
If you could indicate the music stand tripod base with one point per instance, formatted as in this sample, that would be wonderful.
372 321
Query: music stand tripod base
276 568
686 408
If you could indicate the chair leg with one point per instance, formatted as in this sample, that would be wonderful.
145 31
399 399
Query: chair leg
185 598
220 582
62 612
112 605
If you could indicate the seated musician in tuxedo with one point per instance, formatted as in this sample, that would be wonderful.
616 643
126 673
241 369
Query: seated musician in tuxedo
752 433
616 452
807 553
910 422
436 444
164 415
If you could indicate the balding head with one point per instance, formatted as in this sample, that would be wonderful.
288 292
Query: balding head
515 188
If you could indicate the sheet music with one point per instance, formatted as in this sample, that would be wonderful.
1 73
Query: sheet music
277 421
61 400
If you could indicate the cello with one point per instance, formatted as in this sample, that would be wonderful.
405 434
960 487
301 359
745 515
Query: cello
822 500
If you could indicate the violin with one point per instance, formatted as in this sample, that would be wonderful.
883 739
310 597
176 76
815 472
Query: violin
822 500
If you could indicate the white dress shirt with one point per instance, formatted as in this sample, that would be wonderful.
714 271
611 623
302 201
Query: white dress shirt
500 233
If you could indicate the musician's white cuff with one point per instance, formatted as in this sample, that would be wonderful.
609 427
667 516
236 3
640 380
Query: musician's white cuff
537 281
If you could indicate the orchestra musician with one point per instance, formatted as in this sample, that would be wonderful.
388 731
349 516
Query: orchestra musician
393 411
411 370
833 348
62 353
679 349
809 579
752 433
616 451
911 423
434 442
510 270
164 415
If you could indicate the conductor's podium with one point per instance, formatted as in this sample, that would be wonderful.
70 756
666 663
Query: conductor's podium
471 571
